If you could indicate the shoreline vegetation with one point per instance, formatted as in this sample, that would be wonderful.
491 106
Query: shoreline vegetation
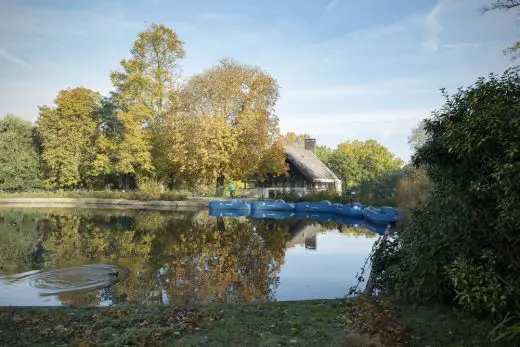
357 322
138 195
166 198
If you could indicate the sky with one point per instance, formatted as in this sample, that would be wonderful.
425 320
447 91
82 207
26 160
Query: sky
347 69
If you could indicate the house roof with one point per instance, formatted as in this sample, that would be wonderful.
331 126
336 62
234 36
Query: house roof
309 164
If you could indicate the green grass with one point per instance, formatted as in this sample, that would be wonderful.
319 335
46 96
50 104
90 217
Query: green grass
447 327
313 323
356 323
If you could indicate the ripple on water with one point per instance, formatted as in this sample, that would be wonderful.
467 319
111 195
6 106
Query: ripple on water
69 279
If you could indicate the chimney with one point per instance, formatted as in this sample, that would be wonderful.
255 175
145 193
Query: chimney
310 145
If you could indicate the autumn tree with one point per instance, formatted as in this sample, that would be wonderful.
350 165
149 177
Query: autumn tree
67 133
200 148
143 93
19 159
234 104
292 137
362 161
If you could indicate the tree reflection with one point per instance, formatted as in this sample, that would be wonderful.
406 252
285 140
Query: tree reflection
171 257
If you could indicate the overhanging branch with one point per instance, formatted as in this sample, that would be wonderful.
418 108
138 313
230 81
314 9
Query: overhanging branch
501 5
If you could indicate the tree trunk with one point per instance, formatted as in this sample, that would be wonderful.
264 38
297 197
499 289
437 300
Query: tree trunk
220 186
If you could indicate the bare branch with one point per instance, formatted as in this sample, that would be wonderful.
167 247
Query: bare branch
504 5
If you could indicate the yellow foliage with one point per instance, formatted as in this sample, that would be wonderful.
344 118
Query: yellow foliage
225 126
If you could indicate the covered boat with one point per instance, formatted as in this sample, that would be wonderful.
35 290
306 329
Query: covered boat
278 215
321 207
381 216
315 216
354 210
229 205
271 205
228 213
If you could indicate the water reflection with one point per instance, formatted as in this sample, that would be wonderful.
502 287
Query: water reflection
165 257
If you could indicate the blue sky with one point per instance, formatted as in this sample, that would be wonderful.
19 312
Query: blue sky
348 69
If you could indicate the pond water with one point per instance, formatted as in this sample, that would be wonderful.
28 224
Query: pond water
96 257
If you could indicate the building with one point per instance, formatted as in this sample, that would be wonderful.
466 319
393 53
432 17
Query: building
307 174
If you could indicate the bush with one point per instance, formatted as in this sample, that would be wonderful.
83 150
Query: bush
412 189
463 244
477 286
151 188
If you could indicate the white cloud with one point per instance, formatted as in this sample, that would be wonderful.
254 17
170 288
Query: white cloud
433 27
4 54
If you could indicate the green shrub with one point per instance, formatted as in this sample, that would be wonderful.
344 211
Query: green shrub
471 158
477 285
151 188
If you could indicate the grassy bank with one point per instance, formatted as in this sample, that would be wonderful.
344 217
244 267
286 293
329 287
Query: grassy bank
356 323
167 195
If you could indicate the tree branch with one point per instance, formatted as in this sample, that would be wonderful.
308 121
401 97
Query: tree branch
504 5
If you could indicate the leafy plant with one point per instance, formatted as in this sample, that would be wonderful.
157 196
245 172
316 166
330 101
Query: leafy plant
471 157
476 284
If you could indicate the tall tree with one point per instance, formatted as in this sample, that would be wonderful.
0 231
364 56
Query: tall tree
19 159
148 76
238 100
360 162
143 92
67 133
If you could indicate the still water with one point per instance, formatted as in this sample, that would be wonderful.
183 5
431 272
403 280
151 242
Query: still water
95 257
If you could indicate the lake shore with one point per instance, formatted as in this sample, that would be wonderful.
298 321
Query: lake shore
341 322
191 203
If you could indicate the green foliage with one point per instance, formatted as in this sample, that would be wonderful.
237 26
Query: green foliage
360 162
471 156
19 159
67 134
477 285
323 153
381 190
